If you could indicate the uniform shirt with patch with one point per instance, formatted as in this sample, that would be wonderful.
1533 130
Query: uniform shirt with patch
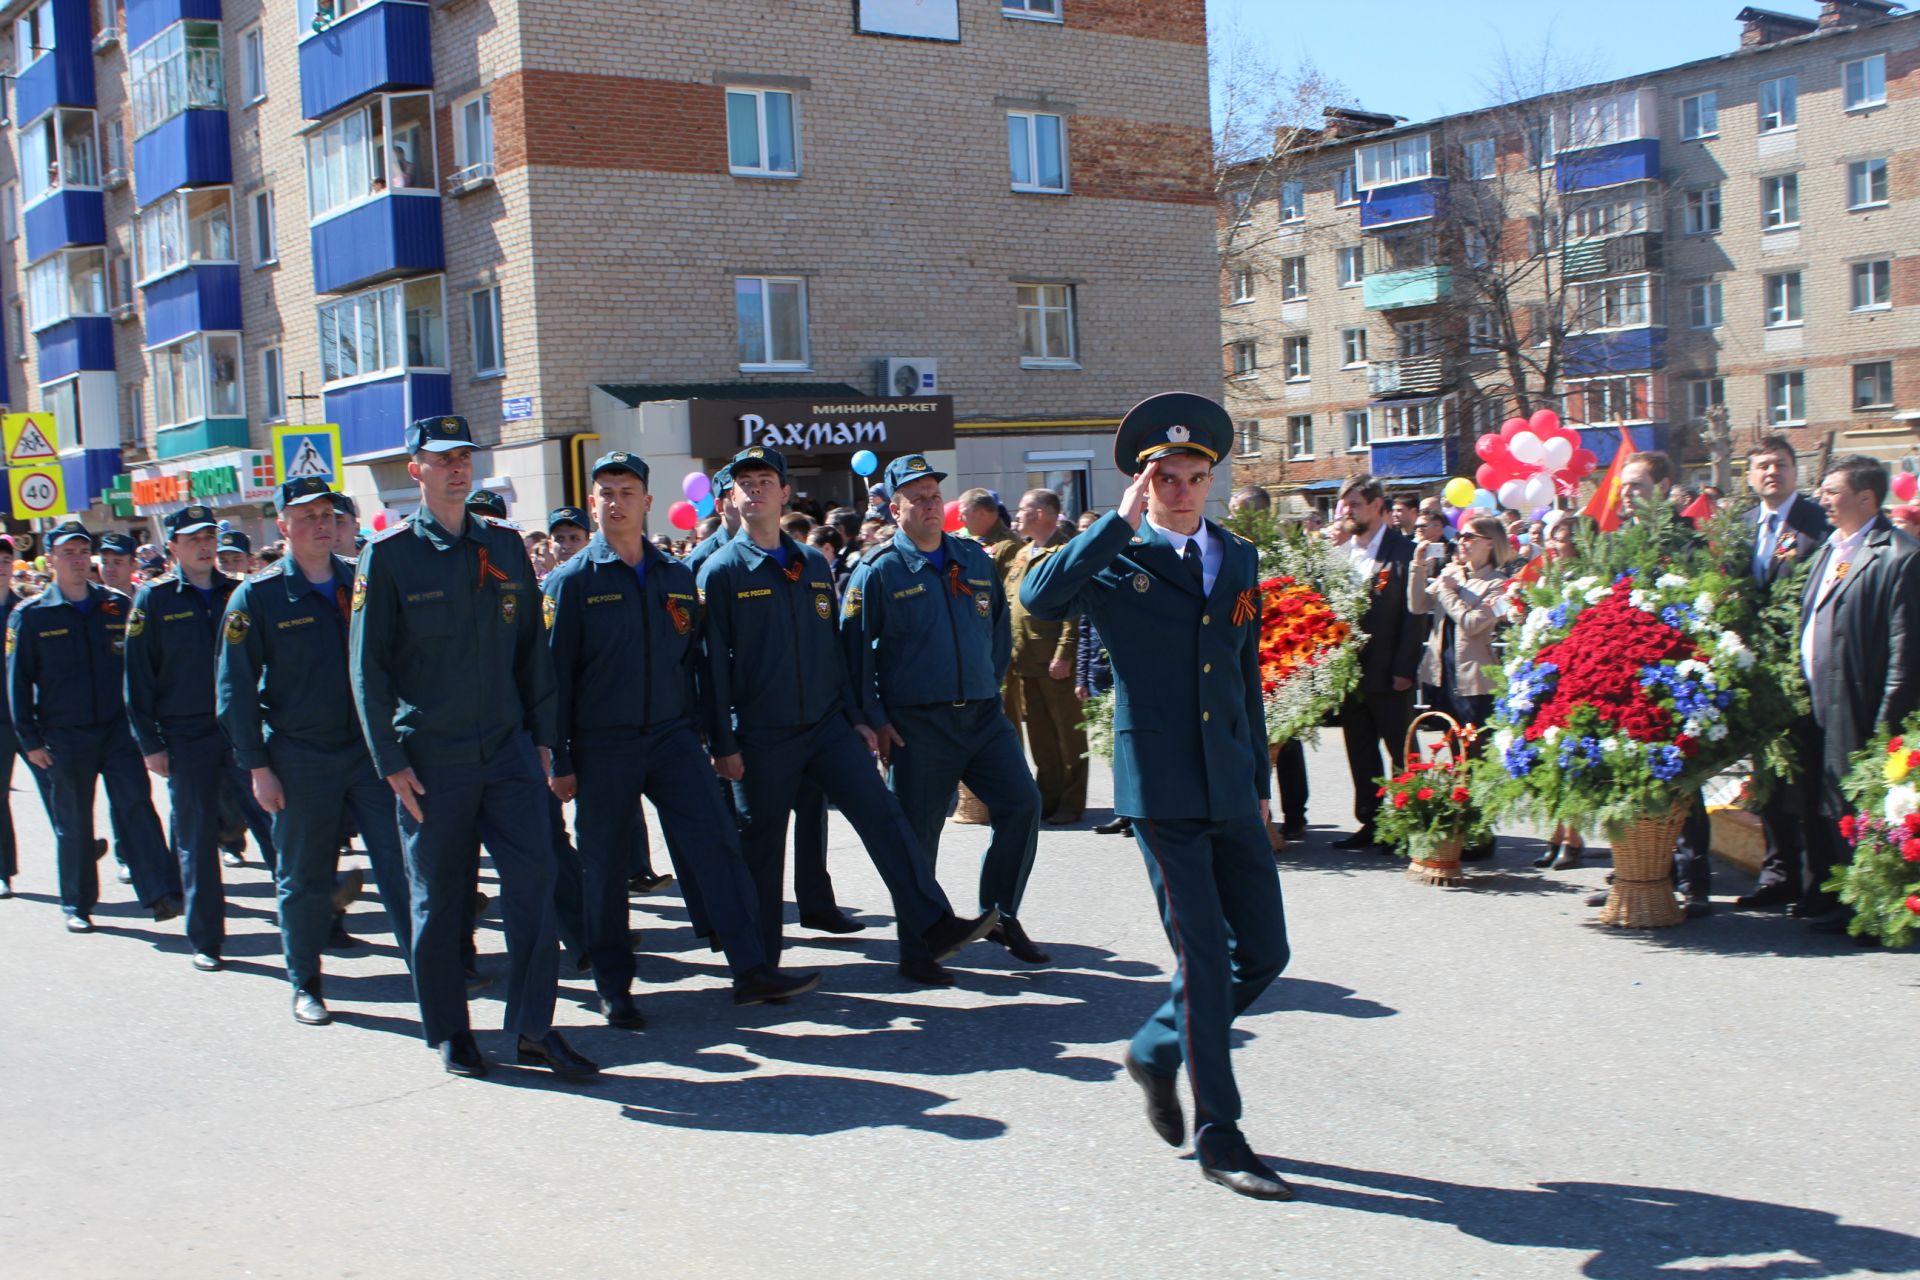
282 666
171 653
66 663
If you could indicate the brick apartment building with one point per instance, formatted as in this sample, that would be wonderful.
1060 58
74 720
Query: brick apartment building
976 227
1742 230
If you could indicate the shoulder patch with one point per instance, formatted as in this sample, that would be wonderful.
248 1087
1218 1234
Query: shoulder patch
389 531
359 592
548 607
238 623
850 606
136 622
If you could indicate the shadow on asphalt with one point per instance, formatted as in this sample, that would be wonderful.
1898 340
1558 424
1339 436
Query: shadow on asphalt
1633 1233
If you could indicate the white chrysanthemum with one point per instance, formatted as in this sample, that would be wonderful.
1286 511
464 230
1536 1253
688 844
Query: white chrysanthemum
1669 581
1901 801
1552 734
1502 739
1692 667
1596 595
1703 604
1640 599
1611 746
1716 732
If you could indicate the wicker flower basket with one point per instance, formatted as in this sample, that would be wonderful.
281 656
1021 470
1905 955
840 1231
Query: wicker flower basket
1642 893
1441 865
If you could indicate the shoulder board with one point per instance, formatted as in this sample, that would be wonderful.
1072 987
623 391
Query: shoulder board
1230 538
261 575
500 522
874 555
163 580
388 532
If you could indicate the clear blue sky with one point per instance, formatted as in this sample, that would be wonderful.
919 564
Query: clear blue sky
1426 58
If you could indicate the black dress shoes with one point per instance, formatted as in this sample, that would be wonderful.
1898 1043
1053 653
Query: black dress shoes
168 908
836 921
79 924
1118 825
461 1056
1241 1171
645 883
1010 935
1361 839
338 939
1163 1102
1696 906
1294 831
310 1010
768 984
1548 858
556 1055
1768 896
620 1011
208 963
954 932
928 973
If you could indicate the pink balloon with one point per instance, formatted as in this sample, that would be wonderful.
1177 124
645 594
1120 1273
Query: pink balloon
681 515
1905 486
1512 427
1544 420
379 521
1488 477
1487 446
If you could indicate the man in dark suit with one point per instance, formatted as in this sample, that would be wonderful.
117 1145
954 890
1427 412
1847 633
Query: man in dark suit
1788 529
1860 650
1381 708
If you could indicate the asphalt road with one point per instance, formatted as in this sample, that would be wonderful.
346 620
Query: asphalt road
1474 1082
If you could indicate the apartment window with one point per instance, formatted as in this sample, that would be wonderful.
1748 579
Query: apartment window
1241 289
66 284
1293 278
1351 264
253 64
1299 436
266 235
115 148
1355 421
1866 183
473 136
1295 351
1779 104
1780 201
1483 335
1482 158
1353 347
33 35
197 378
1539 325
1783 299
1702 216
1475 247
273 386
10 211
1865 81
760 134
1872 285
119 280
1539 138
1416 338
1704 394
1049 9
184 228
57 152
1048 334
385 146
1411 420
1539 236
178 70
1615 304
1618 215
1873 385
1613 400
1703 305
1036 151
1345 190
385 331
483 312
1602 122
1242 201
136 432
1244 357
1293 201
1786 398
1401 160
318 15
1246 436
771 321
1700 115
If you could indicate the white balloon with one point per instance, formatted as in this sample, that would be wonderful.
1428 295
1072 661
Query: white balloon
1539 492
1526 447
1513 493
1559 453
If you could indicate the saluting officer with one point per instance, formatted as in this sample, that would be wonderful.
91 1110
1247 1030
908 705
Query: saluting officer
928 641
171 643
287 706
782 710
621 619
66 688
454 687
1177 602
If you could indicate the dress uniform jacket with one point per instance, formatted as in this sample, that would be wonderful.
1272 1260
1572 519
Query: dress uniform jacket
940 636
1174 651
283 666
1806 527
66 666
1038 641
172 637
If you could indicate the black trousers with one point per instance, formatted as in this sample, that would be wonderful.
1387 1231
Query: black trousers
1291 765
1368 720
1787 812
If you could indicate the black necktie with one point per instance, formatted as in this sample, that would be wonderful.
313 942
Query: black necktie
1191 558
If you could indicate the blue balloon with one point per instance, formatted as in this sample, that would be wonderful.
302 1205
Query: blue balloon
1484 498
704 507
226 526
864 463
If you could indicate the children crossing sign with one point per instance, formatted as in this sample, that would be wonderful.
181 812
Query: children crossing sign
307 451
32 439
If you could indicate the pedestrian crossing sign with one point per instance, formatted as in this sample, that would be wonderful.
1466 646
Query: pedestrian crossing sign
32 439
307 451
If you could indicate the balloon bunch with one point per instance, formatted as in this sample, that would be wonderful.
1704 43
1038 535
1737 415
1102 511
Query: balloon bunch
1531 461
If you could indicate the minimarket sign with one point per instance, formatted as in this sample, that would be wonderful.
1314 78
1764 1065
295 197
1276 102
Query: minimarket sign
225 479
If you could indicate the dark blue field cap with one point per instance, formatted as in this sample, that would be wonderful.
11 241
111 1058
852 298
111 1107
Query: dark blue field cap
300 489
757 456
487 503
1173 422
345 506
722 481
67 531
907 468
120 544
439 435
568 515
189 519
234 540
620 460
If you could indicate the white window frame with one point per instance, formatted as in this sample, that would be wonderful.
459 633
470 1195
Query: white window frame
1345 192
1415 338
1246 437
353 149
1602 122
1293 201
1787 398
119 281
1293 278
33 36
1244 358
171 74
1784 298
794 286
1032 10
472 164
1483 335
1299 437
1358 427
253 64
1867 183
1863 82
172 237
492 327
337 11
1482 157
381 313
1705 305
1619 403
1626 302
1394 162
1296 351
1240 285
1700 115
1350 266
1702 395
191 399
1779 104
1398 420
1031 123
113 147
1877 276
273 385
264 222
75 136
1873 369
1780 202
1701 211
764 166
53 293
10 211
1540 142
1353 348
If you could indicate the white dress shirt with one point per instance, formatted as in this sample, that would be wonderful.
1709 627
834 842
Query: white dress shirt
1843 551
1212 554
1365 556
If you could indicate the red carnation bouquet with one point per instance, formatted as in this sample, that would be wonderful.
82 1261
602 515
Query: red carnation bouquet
1882 882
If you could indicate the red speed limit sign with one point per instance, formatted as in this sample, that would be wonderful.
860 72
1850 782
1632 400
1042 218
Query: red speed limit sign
37 492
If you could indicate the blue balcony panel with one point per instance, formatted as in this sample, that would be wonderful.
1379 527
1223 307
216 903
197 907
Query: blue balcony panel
6 396
1409 458
88 471
389 235
383 46
1621 351
1408 202
190 150
1415 287
63 219
1594 167
148 18
199 299
373 416
64 77
75 346
1605 441
199 437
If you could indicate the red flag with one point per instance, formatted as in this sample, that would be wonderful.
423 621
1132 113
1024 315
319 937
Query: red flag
1604 507
1699 510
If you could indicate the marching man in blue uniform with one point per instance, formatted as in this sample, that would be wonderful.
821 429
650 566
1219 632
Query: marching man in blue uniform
287 707
781 710
454 686
1177 602
925 622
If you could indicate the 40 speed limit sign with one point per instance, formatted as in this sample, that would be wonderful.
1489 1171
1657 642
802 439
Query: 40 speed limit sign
37 492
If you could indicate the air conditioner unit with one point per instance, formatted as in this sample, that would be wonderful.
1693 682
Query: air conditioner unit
471 178
106 38
904 377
